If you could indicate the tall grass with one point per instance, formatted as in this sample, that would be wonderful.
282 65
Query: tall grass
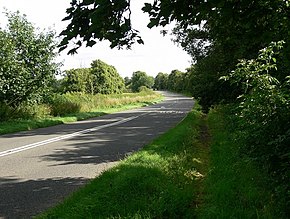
69 107
79 102
23 111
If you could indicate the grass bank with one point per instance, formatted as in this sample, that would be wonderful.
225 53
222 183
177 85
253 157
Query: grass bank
235 187
83 106
163 180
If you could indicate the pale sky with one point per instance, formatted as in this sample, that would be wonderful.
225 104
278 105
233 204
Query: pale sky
159 54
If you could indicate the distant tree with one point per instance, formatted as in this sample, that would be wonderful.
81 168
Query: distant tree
105 78
161 81
175 81
127 81
27 66
78 80
140 79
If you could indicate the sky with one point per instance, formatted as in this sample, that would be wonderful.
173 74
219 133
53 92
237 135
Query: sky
159 54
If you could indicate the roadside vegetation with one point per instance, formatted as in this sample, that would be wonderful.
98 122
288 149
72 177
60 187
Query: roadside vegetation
71 107
195 170
235 185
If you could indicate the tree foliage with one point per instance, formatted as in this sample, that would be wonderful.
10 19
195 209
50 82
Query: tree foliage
105 78
226 32
27 66
77 80
127 81
101 78
102 20
174 80
140 79
264 111
161 81
214 33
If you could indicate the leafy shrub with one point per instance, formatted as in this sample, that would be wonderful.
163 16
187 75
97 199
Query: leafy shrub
62 105
144 89
264 111
24 111
32 111
5 112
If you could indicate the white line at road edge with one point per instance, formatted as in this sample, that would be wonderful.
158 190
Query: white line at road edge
48 141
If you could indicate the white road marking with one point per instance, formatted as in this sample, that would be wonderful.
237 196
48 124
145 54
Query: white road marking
51 140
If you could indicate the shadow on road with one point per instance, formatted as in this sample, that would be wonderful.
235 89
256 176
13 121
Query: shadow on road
35 195
114 143
109 145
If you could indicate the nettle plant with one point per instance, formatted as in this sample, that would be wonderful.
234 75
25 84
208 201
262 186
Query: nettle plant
264 107
262 91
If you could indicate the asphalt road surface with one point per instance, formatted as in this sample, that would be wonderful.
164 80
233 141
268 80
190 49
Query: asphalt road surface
40 168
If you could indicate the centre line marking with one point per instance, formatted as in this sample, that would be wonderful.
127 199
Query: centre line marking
51 140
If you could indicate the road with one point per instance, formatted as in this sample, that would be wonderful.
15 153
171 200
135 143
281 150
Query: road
40 168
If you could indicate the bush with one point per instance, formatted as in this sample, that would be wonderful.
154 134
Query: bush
264 115
32 111
24 111
5 112
144 89
27 61
62 105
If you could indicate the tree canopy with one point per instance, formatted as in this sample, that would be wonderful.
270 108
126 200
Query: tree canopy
27 66
141 79
100 78
105 78
77 80
102 20
161 81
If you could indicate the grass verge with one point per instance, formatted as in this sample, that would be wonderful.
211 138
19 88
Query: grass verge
184 173
163 180
235 186
127 103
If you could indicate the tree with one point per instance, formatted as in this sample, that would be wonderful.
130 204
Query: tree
103 20
127 81
78 80
161 81
176 81
100 78
230 31
140 79
27 66
106 79
111 20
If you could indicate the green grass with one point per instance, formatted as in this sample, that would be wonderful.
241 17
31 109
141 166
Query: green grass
125 102
163 180
235 186
185 173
